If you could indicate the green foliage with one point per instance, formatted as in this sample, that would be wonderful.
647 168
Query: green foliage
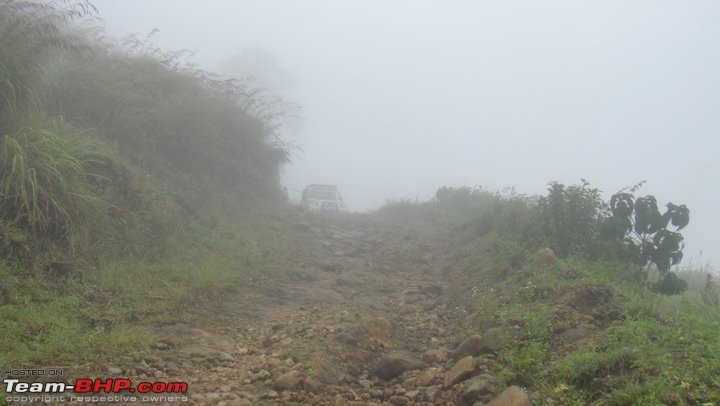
639 226
669 284
568 217
186 125
188 133
30 32
13 244
46 177
644 361
109 156
524 362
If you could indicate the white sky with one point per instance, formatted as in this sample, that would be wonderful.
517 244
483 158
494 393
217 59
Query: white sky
402 97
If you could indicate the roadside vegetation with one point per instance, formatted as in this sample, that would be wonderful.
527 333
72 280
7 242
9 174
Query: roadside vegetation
594 319
132 186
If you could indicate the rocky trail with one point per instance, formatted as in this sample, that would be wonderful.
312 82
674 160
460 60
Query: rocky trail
353 322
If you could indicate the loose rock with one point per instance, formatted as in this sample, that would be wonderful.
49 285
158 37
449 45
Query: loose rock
462 370
435 356
114 371
476 388
512 396
339 400
288 381
395 363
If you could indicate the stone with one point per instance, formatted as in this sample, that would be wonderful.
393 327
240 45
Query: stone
288 381
312 385
399 400
546 256
273 362
462 370
395 363
223 356
339 400
512 396
114 371
494 340
347 339
574 333
432 393
476 388
162 346
425 378
142 366
270 395
375 393
263 374
470 346
435 356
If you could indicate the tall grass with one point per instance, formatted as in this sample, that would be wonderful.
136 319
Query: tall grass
190 133
30 32
181 123
45 177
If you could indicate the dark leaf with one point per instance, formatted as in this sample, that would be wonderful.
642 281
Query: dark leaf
679 216
621 204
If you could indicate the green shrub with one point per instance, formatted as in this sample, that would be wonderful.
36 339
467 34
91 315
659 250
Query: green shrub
30 31
45 177
669 284
567 218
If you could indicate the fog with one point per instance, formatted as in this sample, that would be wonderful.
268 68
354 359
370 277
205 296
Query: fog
400 98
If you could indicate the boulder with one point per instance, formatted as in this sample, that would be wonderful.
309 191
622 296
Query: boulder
288 381
462 370
425 378
546 256
476 388
493 340
395 363
435 356
512 396
339 400
469 346
573 333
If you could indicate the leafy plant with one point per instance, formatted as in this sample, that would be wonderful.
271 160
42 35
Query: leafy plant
639 225
569 216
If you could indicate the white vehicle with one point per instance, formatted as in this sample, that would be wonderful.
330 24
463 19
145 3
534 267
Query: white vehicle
324 198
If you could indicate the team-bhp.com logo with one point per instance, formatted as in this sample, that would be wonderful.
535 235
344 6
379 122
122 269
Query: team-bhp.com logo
94 390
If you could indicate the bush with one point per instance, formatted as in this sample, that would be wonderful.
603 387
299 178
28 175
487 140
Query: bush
183 124
567 218
45 177
669 284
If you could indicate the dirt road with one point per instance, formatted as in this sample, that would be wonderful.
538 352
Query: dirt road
364 317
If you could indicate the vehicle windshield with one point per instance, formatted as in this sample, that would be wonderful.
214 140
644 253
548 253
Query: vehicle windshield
323 194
